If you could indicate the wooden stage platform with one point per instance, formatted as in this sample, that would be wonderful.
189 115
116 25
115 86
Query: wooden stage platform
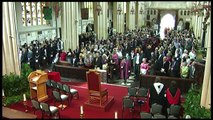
96 106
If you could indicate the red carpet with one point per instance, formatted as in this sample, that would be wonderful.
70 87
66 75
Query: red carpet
73 111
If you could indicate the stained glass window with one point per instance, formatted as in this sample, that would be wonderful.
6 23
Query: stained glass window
23 14
32 14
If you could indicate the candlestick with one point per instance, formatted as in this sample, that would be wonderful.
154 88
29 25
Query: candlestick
3 98
82 112
24 96
116 115
2 92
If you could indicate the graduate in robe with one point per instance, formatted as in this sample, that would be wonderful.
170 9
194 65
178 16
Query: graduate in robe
173 94
115 58
158 94
125 69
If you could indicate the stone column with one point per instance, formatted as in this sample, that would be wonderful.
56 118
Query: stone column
118 17
196 23
206 88
200 26
193 22
10 56
140 14
130 16
100 20
70 25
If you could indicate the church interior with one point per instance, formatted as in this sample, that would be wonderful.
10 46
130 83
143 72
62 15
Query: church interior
106 60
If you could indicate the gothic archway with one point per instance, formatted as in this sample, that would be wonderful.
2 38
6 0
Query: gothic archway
167 21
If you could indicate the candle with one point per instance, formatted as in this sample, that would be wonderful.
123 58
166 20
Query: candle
3 92
24 96
82 110
116 115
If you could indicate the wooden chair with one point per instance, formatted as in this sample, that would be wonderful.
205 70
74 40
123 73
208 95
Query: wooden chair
96 93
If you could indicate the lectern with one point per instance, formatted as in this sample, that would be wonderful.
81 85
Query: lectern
37 80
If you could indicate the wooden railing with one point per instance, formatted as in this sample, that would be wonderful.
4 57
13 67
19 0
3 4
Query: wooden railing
72 72
199 73
184 84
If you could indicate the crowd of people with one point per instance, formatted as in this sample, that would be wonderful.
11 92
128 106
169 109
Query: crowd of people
40 55
134 51
139 51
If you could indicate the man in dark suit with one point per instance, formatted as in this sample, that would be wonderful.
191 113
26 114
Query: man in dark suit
24 56
175 68
97 62
159 62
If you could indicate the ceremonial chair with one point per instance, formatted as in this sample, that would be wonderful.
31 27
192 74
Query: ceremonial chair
96 92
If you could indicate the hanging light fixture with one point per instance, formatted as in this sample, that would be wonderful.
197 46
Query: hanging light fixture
99 8
198 7
119 9
141 11
132 10
207 6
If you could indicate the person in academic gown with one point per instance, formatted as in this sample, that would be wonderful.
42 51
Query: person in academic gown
125 69
157 94
173 94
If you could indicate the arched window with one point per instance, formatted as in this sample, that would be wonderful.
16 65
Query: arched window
32 13
181 12
184 12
